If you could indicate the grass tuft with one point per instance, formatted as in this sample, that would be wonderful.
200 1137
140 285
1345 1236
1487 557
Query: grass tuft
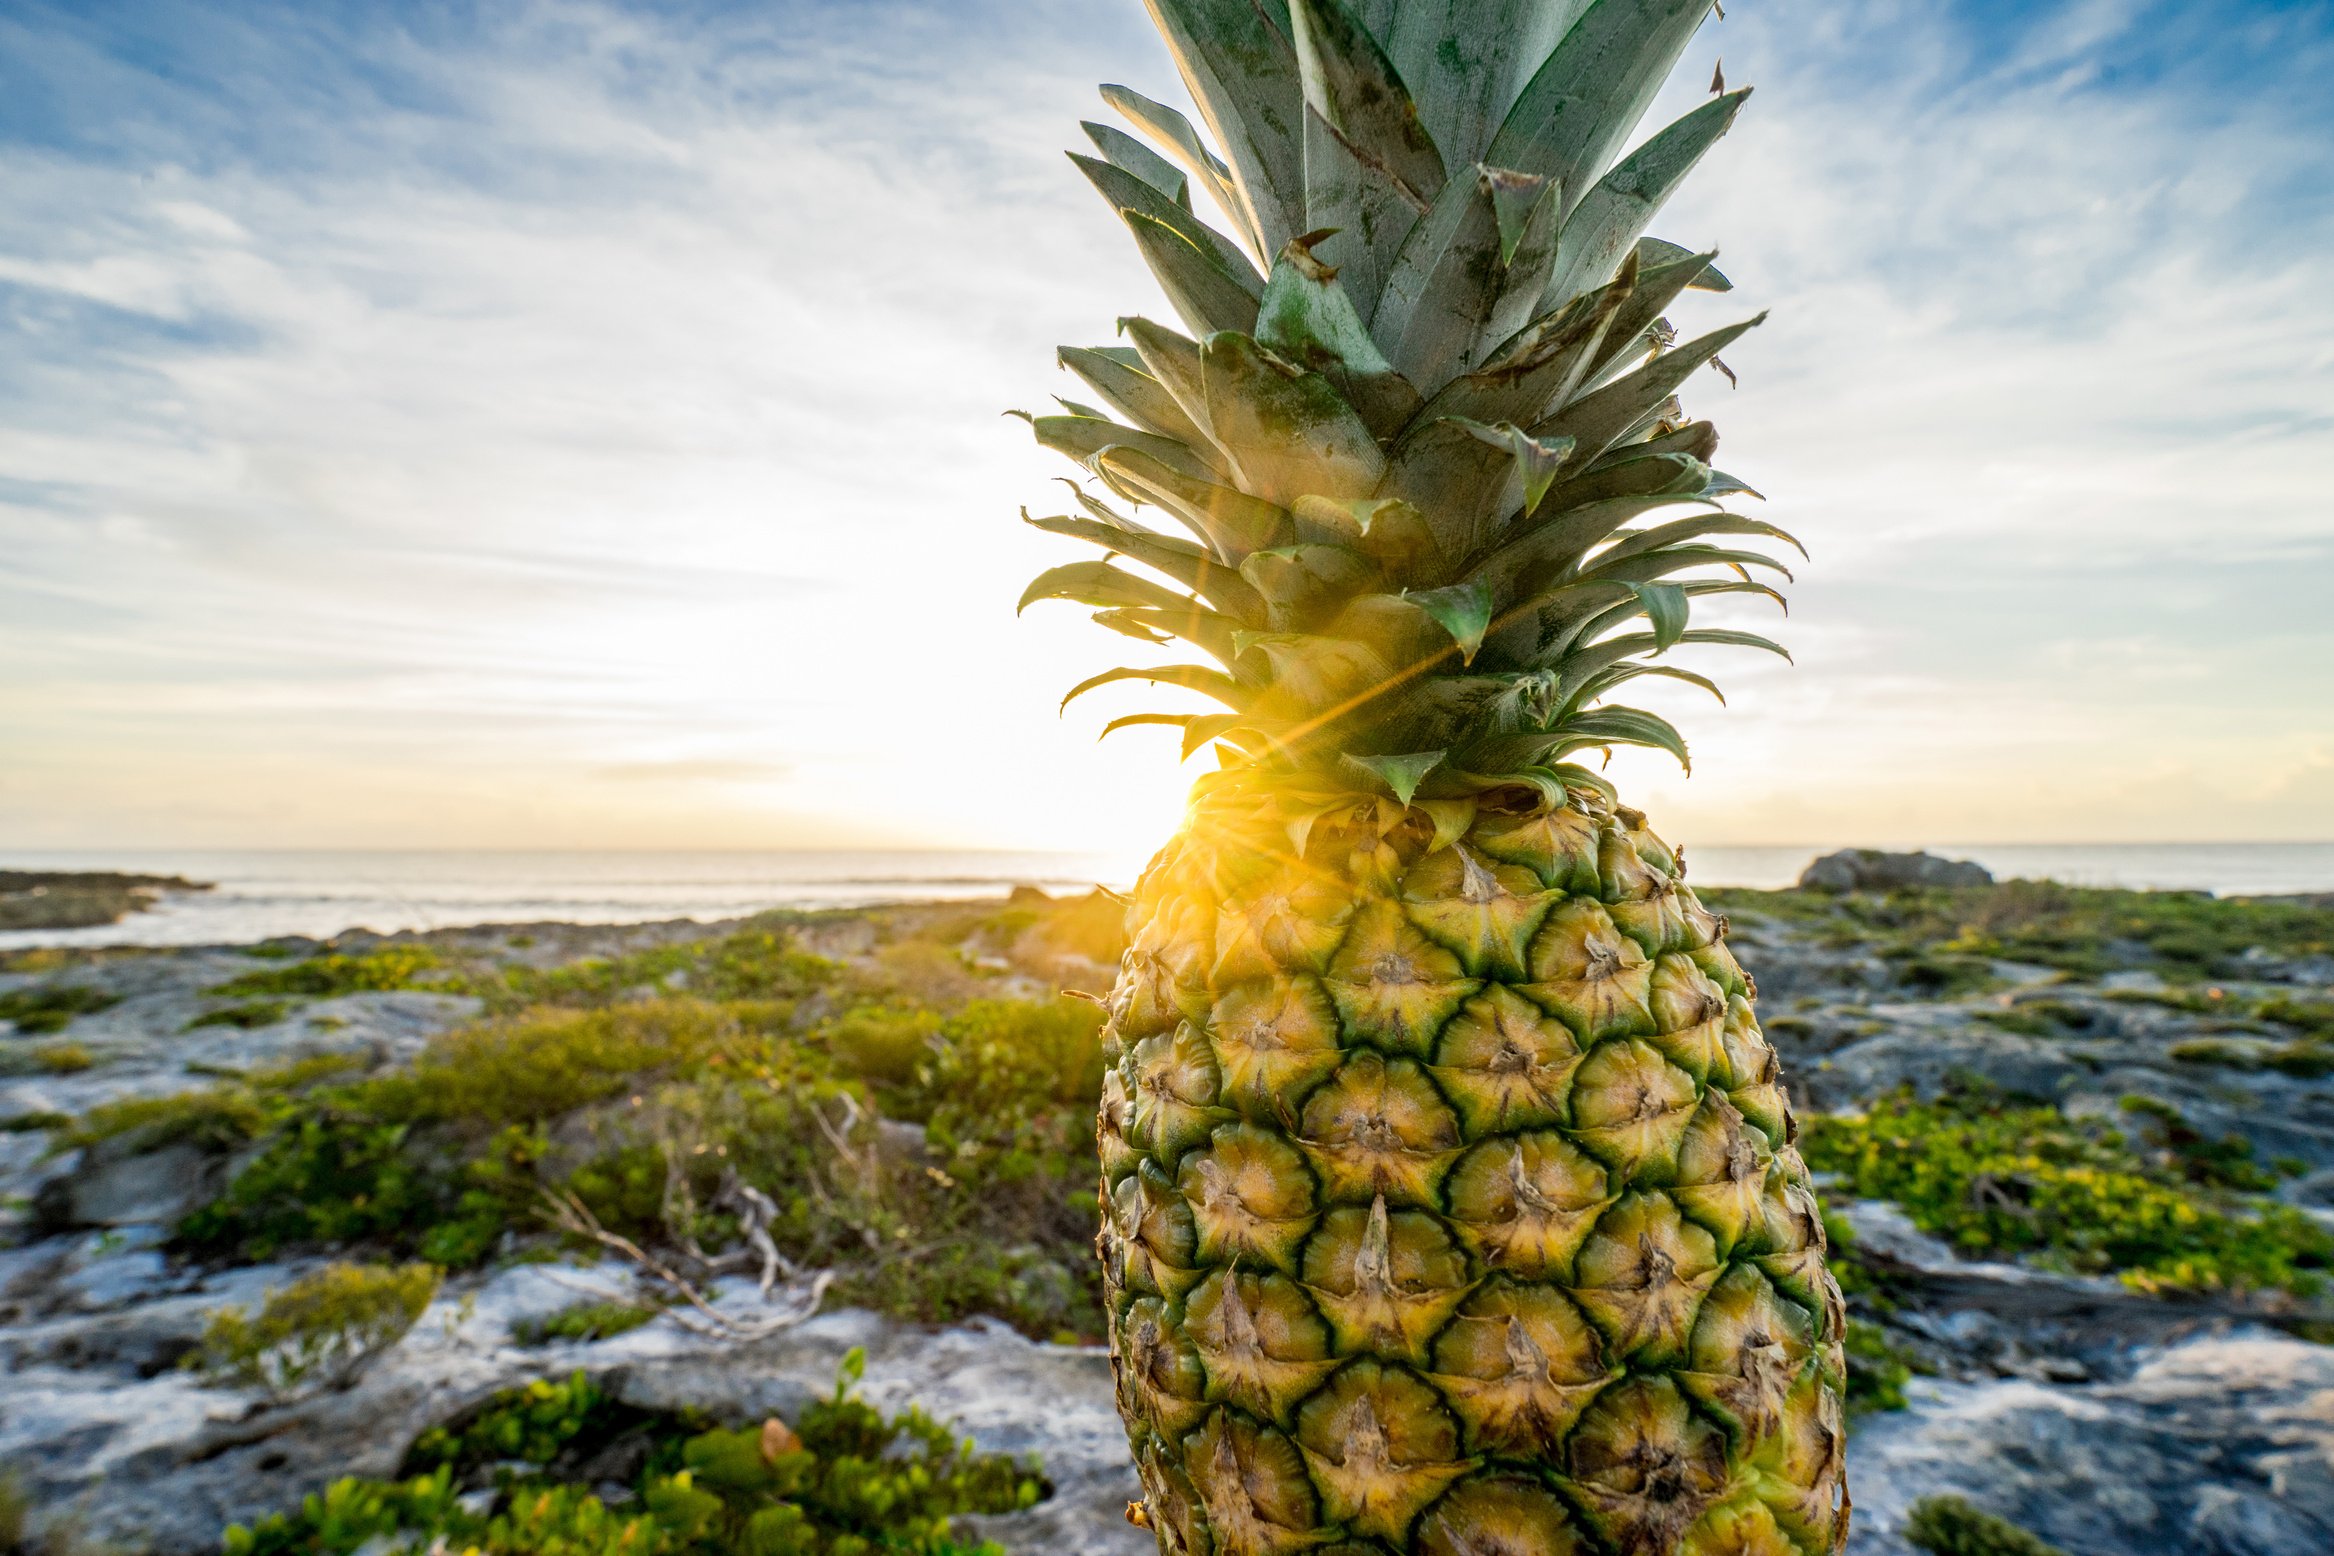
1953 1526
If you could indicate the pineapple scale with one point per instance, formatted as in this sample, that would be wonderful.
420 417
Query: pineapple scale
1451 1205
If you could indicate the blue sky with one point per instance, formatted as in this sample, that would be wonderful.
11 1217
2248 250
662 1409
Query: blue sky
557 424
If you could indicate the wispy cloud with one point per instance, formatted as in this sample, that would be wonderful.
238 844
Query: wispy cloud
406 409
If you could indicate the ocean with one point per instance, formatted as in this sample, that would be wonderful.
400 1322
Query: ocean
260 893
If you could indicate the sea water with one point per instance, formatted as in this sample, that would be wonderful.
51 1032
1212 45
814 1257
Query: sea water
261 894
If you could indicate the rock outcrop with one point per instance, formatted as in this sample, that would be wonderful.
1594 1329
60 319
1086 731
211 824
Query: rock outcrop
1870 869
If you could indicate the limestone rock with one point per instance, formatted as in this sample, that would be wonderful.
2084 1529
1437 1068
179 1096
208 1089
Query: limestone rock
1870 869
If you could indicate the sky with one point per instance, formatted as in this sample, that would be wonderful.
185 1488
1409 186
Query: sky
557 425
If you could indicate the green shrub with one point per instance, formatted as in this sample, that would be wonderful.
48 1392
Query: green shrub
582 1321
2313 1018
61 1059
1993 1176
36 1012
1937 936
15 1511
218 1118
250 1014
845 1481
331 974
320 1331
759 964
1951 1526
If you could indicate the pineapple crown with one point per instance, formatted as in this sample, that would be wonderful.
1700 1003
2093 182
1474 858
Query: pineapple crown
1426 403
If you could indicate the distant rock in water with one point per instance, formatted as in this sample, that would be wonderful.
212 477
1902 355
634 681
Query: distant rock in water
64 899
1869 869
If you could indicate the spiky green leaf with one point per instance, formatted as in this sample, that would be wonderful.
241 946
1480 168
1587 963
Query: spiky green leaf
1241 70
1580 106
1606 226
1291 434
1124 152
1202 292
1353 88
1400 774
1462 610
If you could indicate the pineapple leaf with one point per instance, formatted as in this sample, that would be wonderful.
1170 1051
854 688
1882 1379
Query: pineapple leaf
1137 396
1135 720
1646 566
1655 251
1359 215
1229 520
1241 70
1082 437
1445 281
1173 131
1203 292
1599 420
1128 622
1580 106
1129 155
1466 59
1539 366
1589 611
1622 727
1656 289
1099 583
1527 209
1666 608
1293 580
1185 563
1400 774
1536 459
1728 637
1526 562
1210 726
1462 610
1391 531
1172 360
1621 674
1203 629
1290 432
1198 678
1354 89
1694 528
1307 317
1130 196
1609 220
1452 477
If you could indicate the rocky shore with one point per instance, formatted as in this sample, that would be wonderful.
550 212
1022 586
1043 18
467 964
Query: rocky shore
89 899
2111 1413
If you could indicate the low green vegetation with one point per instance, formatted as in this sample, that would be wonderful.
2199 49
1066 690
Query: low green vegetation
928 1142
37 1012
48 1059
1943 941
843 1481
318 1332
582 1321
245 1016
2142 1196
331 973
1953 1526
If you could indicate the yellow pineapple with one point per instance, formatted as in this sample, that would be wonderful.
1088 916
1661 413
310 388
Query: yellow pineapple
1450 1202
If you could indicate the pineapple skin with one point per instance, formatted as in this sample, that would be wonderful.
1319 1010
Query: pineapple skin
1450 1204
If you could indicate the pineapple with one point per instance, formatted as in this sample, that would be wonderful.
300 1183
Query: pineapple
1450 1204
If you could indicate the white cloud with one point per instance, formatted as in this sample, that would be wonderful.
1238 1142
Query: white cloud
603 444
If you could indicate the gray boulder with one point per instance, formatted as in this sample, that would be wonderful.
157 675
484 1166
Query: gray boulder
1870 869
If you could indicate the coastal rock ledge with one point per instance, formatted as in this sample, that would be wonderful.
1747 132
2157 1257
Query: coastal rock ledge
1871 869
